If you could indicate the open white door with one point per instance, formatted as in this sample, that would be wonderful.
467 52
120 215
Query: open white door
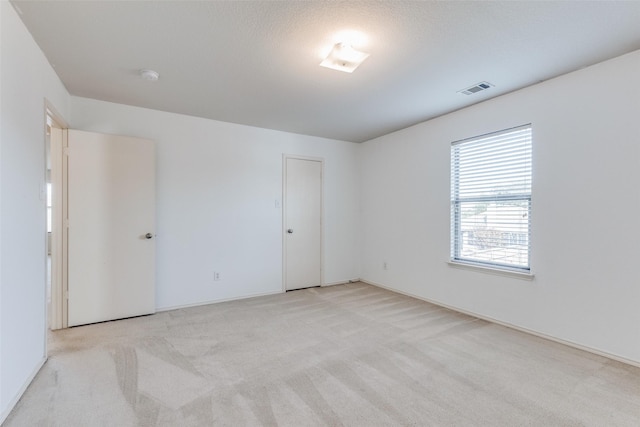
303 223
111 227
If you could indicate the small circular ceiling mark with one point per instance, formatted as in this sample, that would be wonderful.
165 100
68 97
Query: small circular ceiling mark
149 75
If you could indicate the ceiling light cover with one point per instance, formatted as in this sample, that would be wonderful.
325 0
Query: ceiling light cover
343 57
149 75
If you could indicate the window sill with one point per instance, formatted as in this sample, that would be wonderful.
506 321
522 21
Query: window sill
489 270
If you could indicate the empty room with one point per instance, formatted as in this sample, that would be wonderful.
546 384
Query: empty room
319 213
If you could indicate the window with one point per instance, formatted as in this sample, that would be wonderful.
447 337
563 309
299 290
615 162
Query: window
491 199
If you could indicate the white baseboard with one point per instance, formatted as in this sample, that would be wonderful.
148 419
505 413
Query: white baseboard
512 326
197 304
18 395
341 282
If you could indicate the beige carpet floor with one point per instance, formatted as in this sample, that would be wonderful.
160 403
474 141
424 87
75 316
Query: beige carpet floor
349 355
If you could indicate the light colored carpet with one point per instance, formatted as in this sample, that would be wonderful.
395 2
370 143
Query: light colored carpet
349 355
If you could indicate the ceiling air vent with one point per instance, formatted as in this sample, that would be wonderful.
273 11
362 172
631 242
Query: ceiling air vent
479 87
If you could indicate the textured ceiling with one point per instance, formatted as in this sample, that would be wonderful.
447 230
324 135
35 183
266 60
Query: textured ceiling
256 62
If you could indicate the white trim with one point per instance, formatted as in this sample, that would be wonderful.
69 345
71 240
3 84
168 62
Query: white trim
57 121
16 398
51 110
524 275
341 282
283 207
512 326
198 304
56 317
64 244
56 310
262 294
298 157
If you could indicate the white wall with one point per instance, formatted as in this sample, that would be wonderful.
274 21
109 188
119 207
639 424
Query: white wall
585 233
26 79
218 182
217 185
5 407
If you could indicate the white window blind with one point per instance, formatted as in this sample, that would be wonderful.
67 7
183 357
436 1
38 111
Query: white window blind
491 199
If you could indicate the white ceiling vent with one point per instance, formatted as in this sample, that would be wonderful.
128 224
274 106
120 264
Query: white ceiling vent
478 87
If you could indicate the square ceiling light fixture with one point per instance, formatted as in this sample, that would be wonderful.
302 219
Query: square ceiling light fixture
343 57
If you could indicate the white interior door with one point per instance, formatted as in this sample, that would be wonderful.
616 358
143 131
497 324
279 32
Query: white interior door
303 223
111 227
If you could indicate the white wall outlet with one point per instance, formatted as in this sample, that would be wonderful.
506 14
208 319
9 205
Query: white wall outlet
216 276
385 266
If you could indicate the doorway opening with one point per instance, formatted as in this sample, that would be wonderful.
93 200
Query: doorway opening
54 170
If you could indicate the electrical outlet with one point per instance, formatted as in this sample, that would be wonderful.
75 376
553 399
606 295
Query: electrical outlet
216 276
385 266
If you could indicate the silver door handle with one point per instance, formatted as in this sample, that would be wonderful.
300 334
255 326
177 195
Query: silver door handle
290 231
148 236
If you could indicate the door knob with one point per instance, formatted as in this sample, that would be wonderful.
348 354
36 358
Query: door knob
290 231
148 236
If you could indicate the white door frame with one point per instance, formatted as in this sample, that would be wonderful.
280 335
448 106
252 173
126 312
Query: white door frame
57 317
284 215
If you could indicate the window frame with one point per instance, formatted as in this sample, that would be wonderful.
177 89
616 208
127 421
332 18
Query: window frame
456 257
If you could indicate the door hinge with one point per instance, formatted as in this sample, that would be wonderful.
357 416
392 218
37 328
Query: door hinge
66 222
65 151
66 295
